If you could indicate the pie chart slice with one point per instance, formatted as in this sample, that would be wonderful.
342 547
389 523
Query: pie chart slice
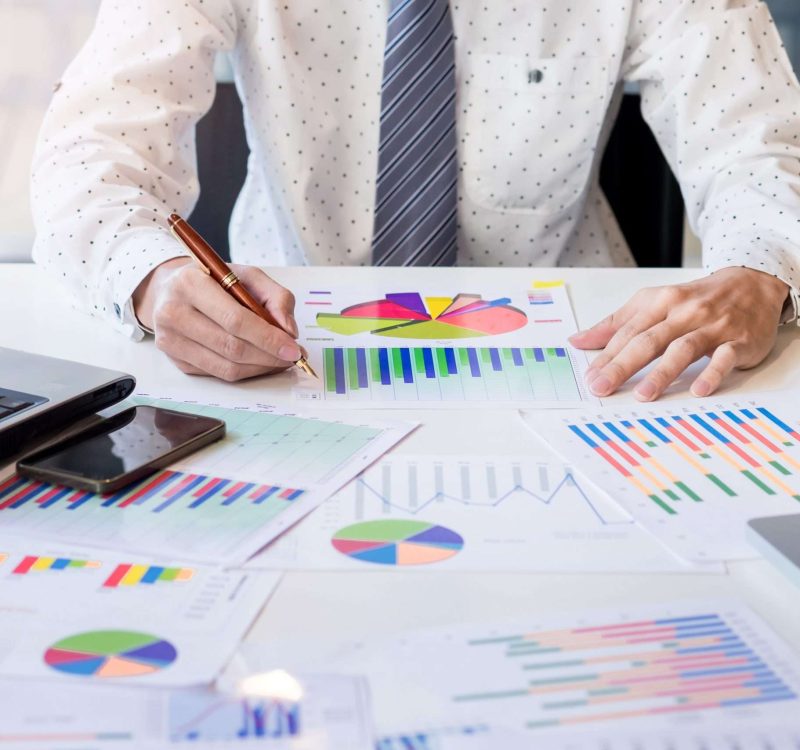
398 542
110 653
410 316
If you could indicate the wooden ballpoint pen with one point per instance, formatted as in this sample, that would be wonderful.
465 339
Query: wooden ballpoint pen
219 270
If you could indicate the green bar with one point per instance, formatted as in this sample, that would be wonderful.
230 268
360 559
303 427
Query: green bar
724 487
780 467
661 504
536 651
609 691
507 355
330 372
756 481
650 444
76 564
528 354
419 362
352 369
557 664
550 352
490 696
565 680
463 356
702 455
565 704
397 365
502 639
485 356
169 574
685 488
671 495
788 442
543 724
376 365
442 362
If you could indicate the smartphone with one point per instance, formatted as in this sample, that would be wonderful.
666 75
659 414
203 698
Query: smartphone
122 449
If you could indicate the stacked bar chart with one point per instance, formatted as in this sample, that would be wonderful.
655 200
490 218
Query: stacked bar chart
456 374
128 574
35 563
692 473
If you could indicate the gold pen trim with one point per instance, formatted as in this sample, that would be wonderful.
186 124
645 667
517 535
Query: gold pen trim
229 280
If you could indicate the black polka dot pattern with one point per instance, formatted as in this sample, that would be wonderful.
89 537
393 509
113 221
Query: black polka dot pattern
538 86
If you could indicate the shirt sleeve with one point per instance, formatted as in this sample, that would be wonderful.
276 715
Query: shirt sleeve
116 153
720 95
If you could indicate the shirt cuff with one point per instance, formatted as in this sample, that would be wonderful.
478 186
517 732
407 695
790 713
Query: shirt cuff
132 260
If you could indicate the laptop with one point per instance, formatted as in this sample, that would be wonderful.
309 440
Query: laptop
41 395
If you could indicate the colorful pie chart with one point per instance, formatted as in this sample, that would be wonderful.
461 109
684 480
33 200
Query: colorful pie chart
110 653
398 542
407 315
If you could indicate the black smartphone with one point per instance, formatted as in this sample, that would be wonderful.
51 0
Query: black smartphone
117 451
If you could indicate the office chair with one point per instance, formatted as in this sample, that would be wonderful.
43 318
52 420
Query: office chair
635 177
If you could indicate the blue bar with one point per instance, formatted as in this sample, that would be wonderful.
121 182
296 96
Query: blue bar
295 495
516 355
152 574
155 490
617 432
538 355
733 416
60 563
693 618
129 490
495 357
586 439
772 418
265 495
743 701
338 369
209 493
663 422
720 670
598 432
361 364
405 361
450 358
427 358
652 429
30 494
236 495
474 367
383 361
709 649
13 487
716 433
749 414
626 424
178 495
85 499
560 353
53 500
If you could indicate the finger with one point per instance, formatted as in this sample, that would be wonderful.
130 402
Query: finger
197 356
277 299
191 323
723 360
640 351
600 334
678 356
209 298
185 367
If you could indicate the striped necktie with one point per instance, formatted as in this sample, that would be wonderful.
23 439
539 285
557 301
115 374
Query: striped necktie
415 206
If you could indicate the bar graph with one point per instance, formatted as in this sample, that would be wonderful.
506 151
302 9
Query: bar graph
459 374
223 502
693 472
35 564
129 574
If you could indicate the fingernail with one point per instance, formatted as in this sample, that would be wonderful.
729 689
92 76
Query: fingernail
289 353
600 386
645 391
701 388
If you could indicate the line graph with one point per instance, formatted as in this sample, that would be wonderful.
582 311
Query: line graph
507 512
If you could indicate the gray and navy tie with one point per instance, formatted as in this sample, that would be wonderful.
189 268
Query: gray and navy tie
415 208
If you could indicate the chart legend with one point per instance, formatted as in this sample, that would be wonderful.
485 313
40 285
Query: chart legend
110 653
127 574
450 374
409 315
35 564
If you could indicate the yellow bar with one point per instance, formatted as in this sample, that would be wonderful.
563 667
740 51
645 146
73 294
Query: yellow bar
134 575
768 428
93 564
43 563
639 486
732 461
547 284
652 477
775 478
3 557
693 462
185 574
663 469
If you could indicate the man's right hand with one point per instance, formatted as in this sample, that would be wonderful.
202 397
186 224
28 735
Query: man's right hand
205 331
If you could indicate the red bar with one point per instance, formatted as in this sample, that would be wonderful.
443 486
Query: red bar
621 626
178 487
235 488
286 493
739 452
675 432
160 479
689 428
47 495
758 436
638 448
613 461
118 574
13 478
25 565
618 448
729 428
258 490
17 495
206 487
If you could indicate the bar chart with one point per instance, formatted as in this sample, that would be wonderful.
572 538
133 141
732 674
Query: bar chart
694 474
129 574
456 374
36 563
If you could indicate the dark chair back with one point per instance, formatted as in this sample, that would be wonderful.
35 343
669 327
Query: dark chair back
634 175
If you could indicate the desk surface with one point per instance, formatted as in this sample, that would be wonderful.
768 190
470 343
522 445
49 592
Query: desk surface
37 317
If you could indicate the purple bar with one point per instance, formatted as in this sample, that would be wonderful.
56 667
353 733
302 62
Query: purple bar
53 500
474 367
83 497
236 495
158 488
516 355
178 495
266 495
209 493
495 357
29 495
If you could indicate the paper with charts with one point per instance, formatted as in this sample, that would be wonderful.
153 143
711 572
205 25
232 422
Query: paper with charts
469 513
441 345
640 672
693 472
92 617
219 505
333 713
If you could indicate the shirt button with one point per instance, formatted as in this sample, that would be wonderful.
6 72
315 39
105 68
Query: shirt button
535 76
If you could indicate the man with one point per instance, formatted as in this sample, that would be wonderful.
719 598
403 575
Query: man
413 131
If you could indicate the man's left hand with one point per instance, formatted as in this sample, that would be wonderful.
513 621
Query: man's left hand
731 316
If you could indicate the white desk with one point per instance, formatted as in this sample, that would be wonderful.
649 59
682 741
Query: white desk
36 318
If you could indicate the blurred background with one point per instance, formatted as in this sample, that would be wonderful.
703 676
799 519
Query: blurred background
38 38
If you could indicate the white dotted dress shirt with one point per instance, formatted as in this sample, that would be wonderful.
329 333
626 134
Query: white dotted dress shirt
538 86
